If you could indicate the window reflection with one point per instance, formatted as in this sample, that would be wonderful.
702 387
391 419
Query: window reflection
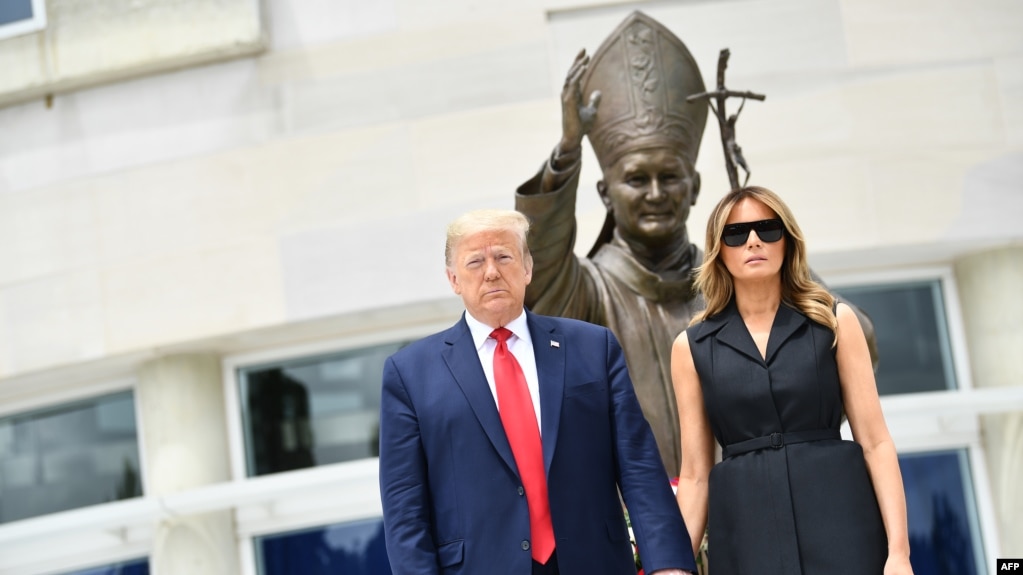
944 534
138 567
312 411
355 548
912 338
69 456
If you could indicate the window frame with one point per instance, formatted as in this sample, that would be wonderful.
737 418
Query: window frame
34 24
122 529
74 393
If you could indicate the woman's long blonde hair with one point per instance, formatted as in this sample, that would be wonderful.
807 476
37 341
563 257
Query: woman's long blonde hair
798 288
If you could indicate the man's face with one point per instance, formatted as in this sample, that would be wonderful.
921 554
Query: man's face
650 192
489 271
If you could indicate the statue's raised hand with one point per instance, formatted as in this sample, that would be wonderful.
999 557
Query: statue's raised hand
576 119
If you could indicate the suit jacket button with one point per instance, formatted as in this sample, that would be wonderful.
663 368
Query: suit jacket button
521 490
525 545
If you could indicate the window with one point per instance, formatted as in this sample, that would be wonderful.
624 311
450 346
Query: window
138 567
355 548
68 456
21 17
312 411
944 532
912 336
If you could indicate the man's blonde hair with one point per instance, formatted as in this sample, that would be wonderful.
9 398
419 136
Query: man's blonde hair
487 221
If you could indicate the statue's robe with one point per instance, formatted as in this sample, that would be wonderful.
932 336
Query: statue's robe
645 310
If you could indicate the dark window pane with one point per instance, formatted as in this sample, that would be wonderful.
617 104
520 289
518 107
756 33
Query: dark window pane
15 11
355 548
912 338
138 567
944 536
312 411
69 456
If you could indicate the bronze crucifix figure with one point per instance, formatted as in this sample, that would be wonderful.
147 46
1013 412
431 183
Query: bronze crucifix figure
733 153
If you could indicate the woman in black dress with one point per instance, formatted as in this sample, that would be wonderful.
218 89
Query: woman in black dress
767 370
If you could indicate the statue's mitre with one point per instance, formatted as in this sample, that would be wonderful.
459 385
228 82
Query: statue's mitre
644 74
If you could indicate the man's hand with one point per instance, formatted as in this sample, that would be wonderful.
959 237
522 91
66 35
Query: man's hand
576 119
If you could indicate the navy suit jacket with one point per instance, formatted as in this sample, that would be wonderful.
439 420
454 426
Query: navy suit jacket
451 494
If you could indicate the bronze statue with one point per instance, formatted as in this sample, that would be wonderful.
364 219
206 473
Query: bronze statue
637 278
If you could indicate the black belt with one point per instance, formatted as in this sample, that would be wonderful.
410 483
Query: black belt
778 440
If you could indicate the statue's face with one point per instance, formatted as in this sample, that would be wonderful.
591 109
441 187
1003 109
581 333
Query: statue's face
650 193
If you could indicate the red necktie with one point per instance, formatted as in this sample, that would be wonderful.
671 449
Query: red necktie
519 421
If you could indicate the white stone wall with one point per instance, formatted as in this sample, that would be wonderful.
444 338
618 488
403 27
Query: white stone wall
316 178
85 43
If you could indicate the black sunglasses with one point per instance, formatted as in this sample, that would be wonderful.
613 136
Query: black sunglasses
770 231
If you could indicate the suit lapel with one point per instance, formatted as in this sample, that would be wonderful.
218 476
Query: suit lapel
549 349
464 362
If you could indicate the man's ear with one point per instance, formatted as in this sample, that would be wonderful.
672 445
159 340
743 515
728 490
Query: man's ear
453 280
602 191
696 186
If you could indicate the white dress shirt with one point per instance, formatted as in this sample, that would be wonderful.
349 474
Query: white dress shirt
520 344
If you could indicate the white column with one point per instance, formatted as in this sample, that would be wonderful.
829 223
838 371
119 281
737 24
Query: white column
991 293
184 434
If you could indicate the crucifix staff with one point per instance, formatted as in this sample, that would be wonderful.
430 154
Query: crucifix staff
733 153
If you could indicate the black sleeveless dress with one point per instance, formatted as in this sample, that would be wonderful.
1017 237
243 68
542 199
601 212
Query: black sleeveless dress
790 496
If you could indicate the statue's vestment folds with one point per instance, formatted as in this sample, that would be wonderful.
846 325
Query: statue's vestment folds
646 311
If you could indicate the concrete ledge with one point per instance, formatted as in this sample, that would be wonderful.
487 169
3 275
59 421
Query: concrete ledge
90 43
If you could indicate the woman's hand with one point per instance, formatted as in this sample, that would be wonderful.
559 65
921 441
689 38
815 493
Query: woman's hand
898 565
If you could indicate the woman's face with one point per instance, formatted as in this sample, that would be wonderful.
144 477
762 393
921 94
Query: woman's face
754 259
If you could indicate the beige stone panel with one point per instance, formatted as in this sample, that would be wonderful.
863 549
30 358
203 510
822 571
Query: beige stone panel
321 180
296 24
472 79
885 33
988 285
410 46
480 154
46 231
920 195
172 207
415 15
767 38
90 37
23 62
86 43
946 108
1009 73
192 294
811 121
50 321
208 201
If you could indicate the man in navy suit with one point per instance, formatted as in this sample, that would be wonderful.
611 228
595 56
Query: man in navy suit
453 496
